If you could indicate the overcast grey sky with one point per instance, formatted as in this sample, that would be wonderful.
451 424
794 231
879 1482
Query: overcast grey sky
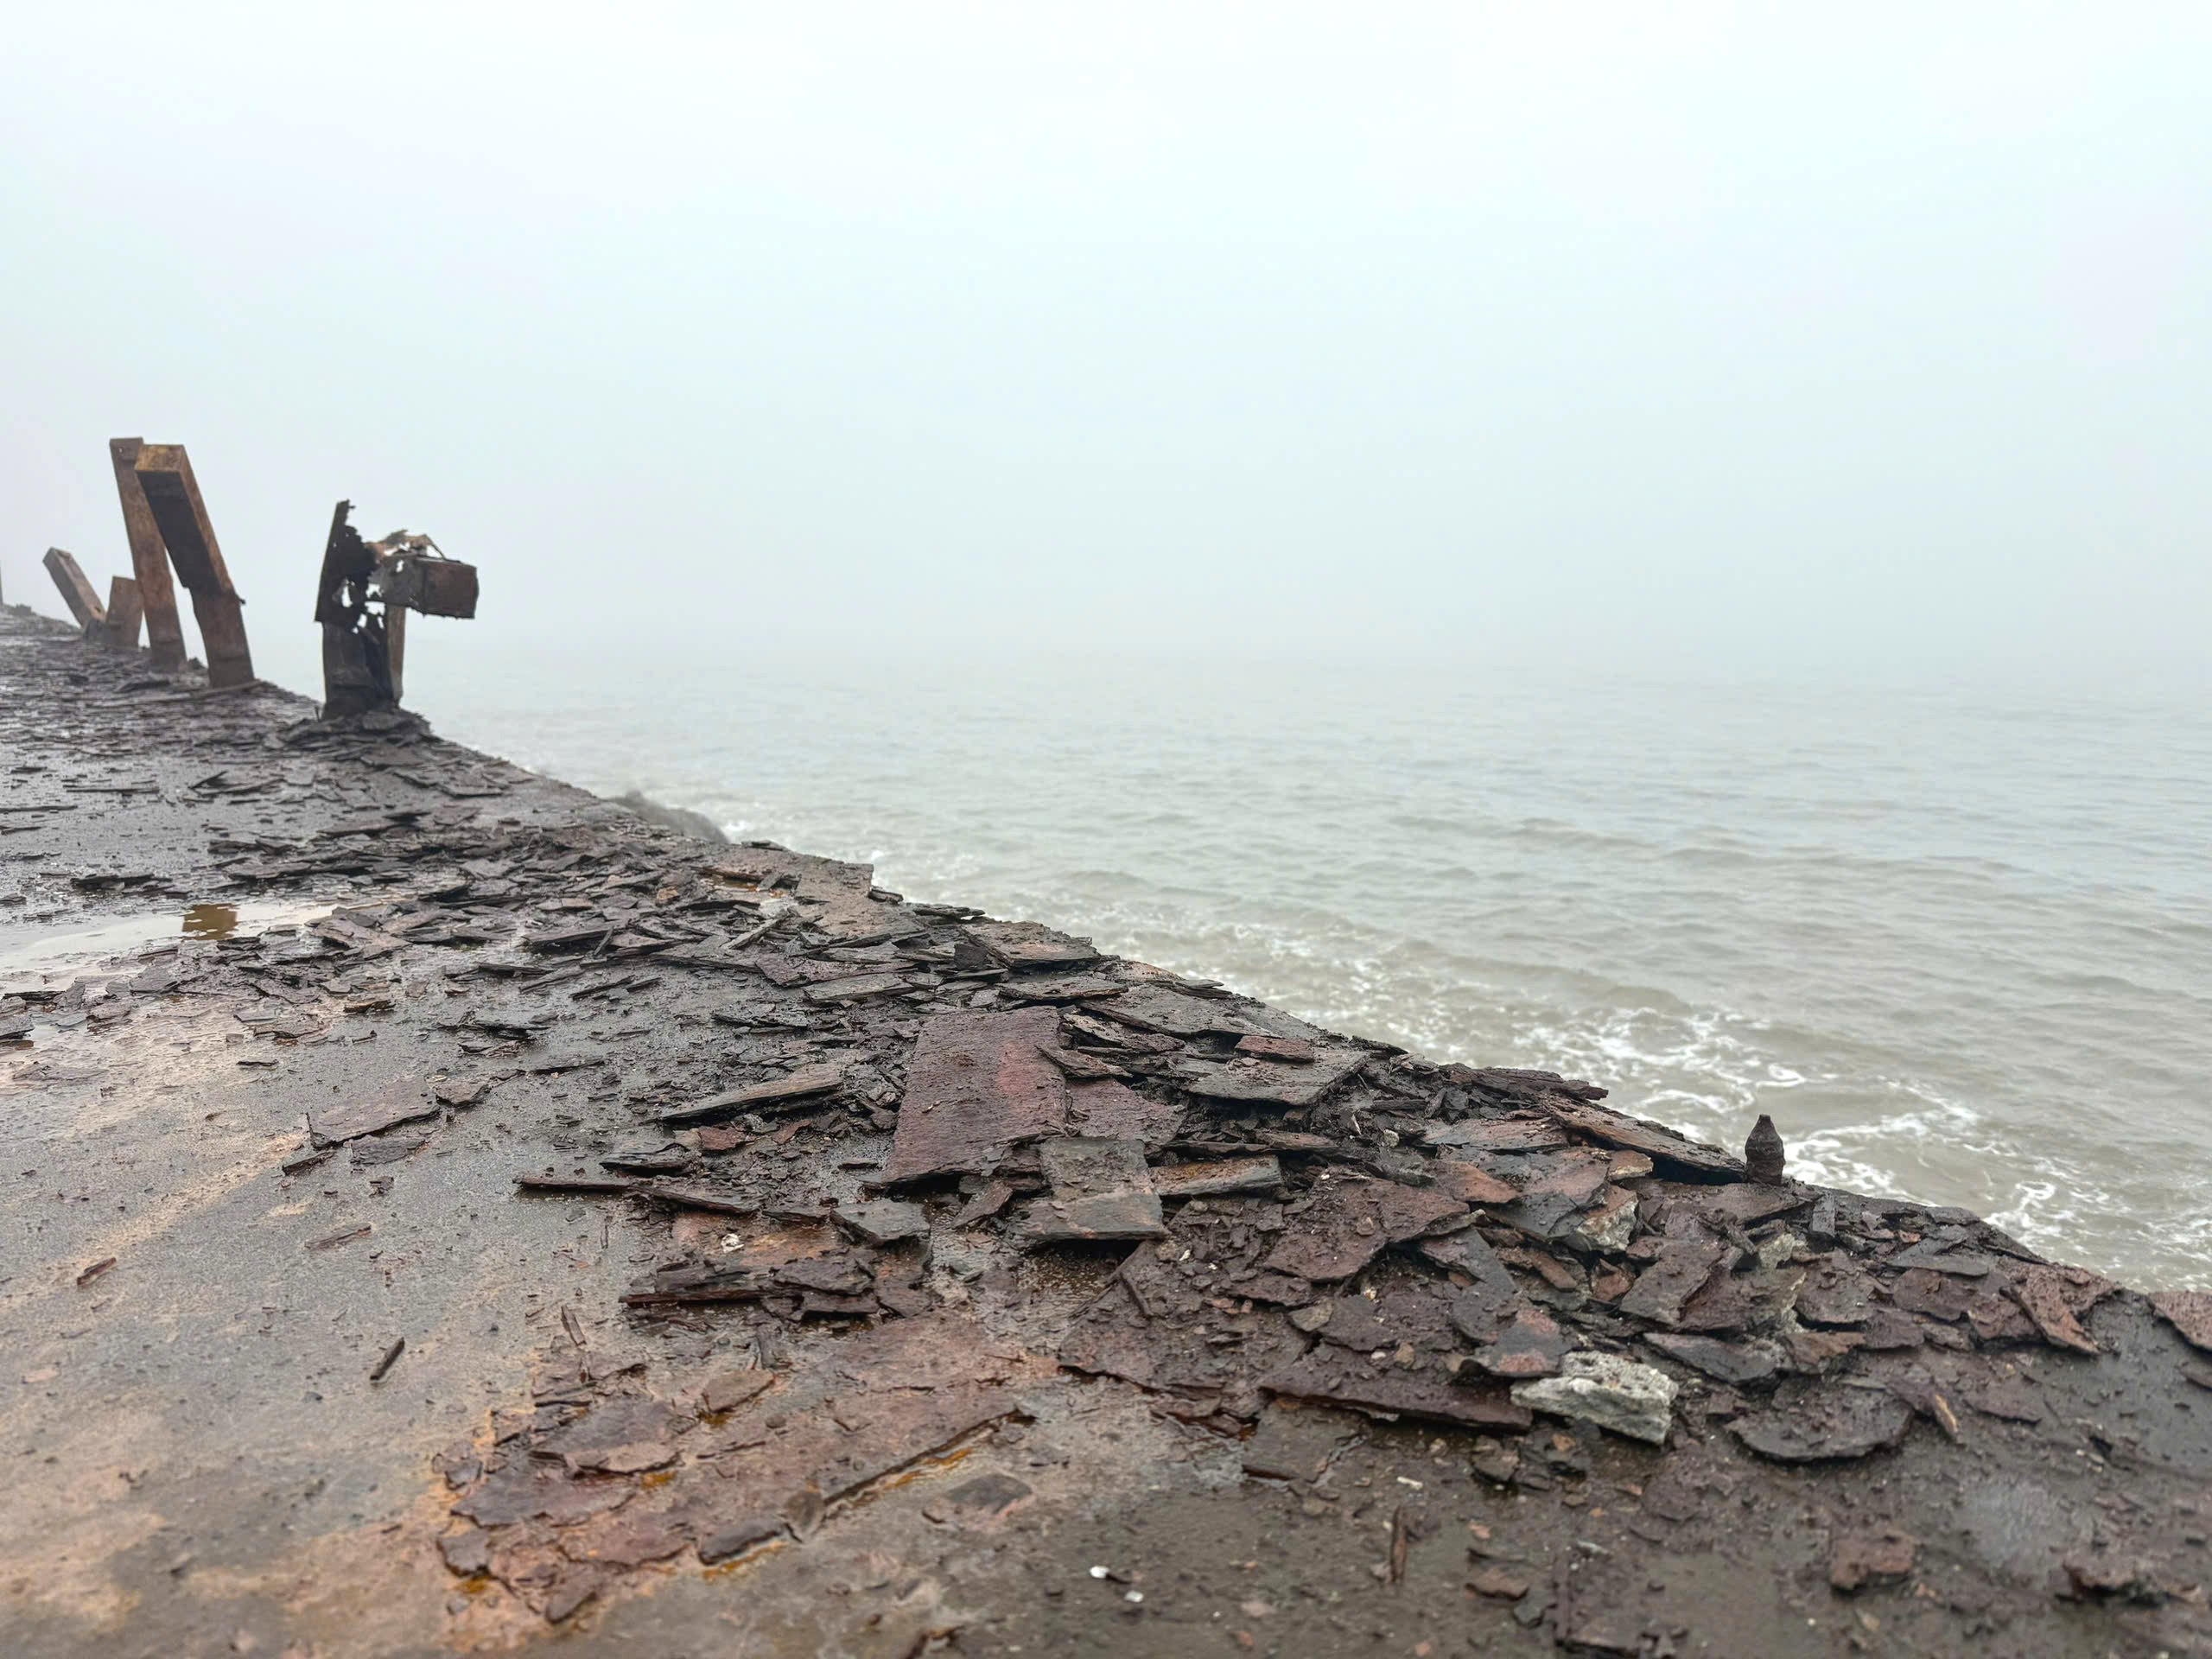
1676 334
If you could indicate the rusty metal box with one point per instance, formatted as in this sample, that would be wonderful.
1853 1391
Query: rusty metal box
432 585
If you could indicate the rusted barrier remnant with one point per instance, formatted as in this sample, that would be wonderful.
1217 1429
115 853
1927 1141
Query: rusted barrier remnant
365 590
172 495
116 624
125 612
149 560
76 593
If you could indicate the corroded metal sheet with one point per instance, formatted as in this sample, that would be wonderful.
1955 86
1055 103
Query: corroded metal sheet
1100 1190
1274 1082
347 1120
1347 1224
975 1087
772 1094
1675 1154
1031 944
1342 1378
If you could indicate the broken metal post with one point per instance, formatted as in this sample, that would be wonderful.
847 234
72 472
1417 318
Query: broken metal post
76 593
173 496
149 562
356 669
124 613
395 648
362 598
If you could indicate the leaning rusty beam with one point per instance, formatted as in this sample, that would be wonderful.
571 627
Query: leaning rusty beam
149 561
173 494
125 611
76 593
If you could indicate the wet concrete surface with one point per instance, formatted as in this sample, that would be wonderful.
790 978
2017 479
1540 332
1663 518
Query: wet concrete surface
744 1404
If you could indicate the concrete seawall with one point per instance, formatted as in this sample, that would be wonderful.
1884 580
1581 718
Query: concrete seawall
445 1211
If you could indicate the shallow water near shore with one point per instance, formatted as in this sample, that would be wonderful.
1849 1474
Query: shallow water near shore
1959 943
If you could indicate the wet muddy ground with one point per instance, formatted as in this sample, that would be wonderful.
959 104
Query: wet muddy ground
445 1212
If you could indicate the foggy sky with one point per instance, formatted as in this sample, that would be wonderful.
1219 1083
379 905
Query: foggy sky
1710 336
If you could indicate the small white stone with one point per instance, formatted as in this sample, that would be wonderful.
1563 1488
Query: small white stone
1616 1393
1607 1228
1785 1245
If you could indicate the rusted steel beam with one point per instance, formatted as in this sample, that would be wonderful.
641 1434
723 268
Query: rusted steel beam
125 611
356 671
173 494
149 561
76 593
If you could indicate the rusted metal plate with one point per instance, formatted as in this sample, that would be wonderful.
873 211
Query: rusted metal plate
1829 1424
1496 1134
149 560
1107 1108
359 672
1471 1183
1341 1377
403 1104
1680 1271
346 559
1260 1174
858 987
173 496
1274 1082
976 1087
2054 1297
1176 1013
1675 1154
846 1443
1295 1441
626 1435
2190 1313
1348 1223
1294 1050
1069 987
1031 944
1100 1190
769 1095
1156 1328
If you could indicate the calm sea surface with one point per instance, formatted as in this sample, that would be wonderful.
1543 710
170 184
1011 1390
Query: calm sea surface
1959 945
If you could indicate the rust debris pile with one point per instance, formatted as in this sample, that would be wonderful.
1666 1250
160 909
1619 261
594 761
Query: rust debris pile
1296 1219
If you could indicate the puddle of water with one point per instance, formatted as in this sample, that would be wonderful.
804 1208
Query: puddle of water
211 921
25 950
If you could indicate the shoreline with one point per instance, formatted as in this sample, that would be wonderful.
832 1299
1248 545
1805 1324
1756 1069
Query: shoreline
882 1330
